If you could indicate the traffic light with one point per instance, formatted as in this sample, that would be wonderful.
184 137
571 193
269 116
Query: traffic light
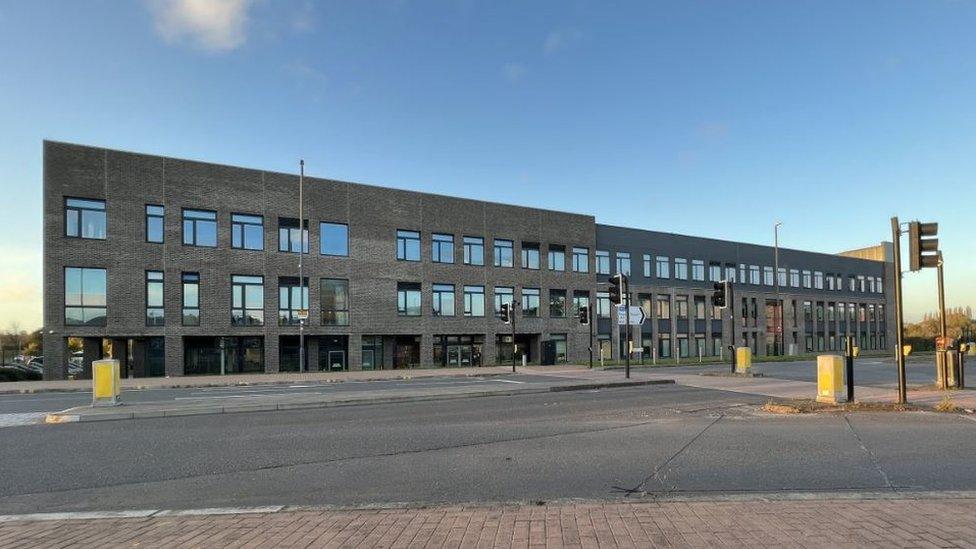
719 299
506 313
923 248
584 315
616 284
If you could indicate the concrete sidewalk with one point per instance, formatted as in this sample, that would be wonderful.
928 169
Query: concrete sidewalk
901 521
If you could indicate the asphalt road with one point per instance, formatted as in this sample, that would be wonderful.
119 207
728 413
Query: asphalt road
626 443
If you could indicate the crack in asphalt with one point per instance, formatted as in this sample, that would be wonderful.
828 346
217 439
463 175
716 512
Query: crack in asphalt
874 458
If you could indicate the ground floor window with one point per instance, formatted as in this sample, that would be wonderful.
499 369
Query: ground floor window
554 351
406 351
683 345
372 353
700 349
664 346
717 346
458 350
223 355
333 353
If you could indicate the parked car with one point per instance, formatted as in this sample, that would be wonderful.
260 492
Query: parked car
36 365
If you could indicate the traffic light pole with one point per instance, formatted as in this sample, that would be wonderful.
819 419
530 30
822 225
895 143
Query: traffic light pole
942 355
589 321
511 317
899 314
626 300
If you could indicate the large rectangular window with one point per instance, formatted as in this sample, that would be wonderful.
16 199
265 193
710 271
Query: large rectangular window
334 239
663 269
442 248
503 294
715 272
581 300
663 304
818 280
794 278
754 275
697 269
84 296
768 279
334 295
623 263
84 218
603 305
700 307
474 250
474 301
557 258
292 297
504 253
408 298
781 277
246 231
681 304
602 262
200 228
155 315
247 300
408 245
290 238
191 299
530 255
581 259
646 263
807 279
154 223
557 303
443 299
680 268
530 302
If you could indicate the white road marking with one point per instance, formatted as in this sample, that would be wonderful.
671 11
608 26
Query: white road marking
16 420
139 513
509 381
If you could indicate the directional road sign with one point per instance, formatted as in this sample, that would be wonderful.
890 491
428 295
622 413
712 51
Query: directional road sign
636 315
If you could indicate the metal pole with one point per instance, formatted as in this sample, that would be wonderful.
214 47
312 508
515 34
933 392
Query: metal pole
778 335
899 315
850 368
301 273
511 317
627 304
589 317
942 356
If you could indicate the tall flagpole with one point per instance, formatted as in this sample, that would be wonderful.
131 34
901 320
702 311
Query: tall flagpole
301 278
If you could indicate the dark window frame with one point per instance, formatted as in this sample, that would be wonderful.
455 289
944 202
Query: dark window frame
79 217
162 297
189 278
152 215
236 219
196 221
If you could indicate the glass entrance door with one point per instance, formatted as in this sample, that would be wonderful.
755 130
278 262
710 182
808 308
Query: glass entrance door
454 355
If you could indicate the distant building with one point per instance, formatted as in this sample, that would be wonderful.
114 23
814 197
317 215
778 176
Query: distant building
192 268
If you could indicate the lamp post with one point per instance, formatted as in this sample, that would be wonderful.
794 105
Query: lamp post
778 338
301 279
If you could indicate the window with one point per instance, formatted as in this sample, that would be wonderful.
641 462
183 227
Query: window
530 255
155 315
408 245
557 303
334 239
680 268
191 299
820 311
830 281
852 283
503 294
700 307
743 275
794 278
292 297
730 272
663 304
663 269
154 223
408 297
504 253
443 300
860 283
818 280
200 228
839 283
807 279
530 302
247 300
683 345
602 262
879 285
851 312
557 258
84 218
247 232
664 346
474 250
754 275
442 248
697 269
715 272
623 263
807 311
831 308
84 296
474 301
581 300
603 305
781 277
768 276
681 306
334 295
841 315
581 260
646 261
290 238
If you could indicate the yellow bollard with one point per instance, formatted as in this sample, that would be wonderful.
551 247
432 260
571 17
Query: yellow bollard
830 379
743 360
106 383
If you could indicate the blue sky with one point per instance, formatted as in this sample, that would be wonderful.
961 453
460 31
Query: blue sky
828 116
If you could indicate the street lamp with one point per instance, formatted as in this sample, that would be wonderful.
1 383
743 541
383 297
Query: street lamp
778 336
301 280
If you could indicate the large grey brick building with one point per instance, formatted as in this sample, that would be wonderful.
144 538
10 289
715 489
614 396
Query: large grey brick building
180 267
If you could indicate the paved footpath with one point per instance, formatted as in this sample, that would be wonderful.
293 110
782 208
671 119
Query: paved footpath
751 523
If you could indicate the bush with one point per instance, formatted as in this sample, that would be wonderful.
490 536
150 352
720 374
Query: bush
13 374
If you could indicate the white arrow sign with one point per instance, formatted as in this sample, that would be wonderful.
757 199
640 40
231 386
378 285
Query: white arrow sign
636 315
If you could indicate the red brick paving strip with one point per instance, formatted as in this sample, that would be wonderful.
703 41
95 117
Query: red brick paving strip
826 523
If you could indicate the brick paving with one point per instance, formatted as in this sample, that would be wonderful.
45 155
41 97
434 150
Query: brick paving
754 523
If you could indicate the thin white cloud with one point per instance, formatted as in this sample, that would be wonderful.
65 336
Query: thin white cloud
559 40
514 72
212 25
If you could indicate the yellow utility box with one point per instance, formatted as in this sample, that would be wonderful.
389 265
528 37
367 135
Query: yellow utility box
743 360
106 382
830 379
